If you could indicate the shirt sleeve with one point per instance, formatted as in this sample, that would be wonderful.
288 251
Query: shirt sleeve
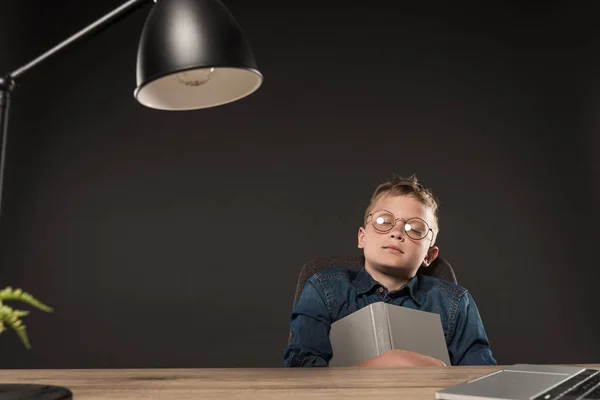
310 325
470 345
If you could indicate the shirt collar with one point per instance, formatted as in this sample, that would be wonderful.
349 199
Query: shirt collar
364 283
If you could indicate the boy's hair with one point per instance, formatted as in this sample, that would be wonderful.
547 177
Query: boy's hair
399 186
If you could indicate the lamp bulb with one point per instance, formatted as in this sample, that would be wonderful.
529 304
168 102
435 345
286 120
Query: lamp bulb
195 77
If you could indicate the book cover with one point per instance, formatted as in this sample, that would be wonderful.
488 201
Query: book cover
380 327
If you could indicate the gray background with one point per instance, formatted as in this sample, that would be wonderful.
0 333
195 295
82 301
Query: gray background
113 213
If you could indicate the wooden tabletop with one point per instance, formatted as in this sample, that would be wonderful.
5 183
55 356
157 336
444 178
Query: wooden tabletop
247 383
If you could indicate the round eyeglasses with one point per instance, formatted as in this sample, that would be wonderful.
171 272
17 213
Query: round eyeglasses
415 228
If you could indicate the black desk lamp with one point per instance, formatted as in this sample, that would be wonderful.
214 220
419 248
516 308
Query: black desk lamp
192 54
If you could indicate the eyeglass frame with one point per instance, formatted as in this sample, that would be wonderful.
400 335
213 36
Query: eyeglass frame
404 227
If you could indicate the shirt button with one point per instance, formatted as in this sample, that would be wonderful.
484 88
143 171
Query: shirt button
380 290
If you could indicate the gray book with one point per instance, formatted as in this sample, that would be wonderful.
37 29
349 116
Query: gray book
380 327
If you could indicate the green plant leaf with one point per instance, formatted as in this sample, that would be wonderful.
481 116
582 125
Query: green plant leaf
12 319
19 295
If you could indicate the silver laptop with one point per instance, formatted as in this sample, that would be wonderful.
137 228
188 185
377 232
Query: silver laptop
532 382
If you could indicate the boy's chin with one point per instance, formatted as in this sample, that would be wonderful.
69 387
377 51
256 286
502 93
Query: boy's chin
391 264
400 269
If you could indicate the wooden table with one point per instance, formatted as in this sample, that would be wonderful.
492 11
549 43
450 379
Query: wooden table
246 383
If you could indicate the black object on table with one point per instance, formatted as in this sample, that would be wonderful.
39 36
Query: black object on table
27 391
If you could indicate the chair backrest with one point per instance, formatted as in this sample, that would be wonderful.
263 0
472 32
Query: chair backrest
439 268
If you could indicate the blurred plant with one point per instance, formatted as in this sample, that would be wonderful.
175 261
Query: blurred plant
10 317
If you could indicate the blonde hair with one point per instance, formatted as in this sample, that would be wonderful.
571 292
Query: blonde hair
399 186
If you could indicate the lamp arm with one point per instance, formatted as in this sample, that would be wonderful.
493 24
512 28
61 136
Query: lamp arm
86 33
7 82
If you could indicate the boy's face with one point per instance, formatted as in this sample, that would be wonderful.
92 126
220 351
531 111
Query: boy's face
409 254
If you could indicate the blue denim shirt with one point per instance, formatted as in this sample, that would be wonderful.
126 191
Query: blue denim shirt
333 294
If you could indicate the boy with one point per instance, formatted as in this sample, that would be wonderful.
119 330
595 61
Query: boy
398 237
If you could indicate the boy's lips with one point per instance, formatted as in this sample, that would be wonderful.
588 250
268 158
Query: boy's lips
394 248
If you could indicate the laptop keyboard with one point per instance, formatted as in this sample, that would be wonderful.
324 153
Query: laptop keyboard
583 386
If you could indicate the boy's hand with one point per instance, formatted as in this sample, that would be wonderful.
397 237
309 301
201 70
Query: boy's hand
401 358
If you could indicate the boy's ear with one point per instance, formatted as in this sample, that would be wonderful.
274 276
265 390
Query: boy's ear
432 254
361 238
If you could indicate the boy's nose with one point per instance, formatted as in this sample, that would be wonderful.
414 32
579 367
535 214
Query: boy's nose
397 234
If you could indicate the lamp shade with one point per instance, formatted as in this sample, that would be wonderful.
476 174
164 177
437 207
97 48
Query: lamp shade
192 54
